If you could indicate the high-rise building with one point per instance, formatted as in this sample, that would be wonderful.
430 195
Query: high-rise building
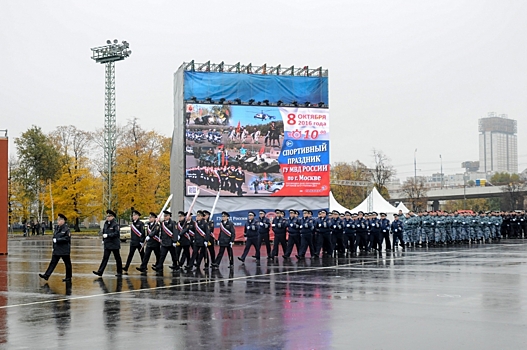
498 147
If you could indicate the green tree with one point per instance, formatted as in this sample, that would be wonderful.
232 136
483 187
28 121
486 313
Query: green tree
349 196
512 186
38 163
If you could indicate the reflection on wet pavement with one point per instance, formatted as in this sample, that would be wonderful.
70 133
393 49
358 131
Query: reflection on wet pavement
463 297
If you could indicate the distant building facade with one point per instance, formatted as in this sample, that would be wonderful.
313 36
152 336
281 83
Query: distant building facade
498 146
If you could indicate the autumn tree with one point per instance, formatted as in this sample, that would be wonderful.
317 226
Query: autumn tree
350 196
382 172
415 191
38 163
77 192
512 186
142 170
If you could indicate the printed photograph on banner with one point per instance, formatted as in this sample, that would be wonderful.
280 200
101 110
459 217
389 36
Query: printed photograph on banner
249 150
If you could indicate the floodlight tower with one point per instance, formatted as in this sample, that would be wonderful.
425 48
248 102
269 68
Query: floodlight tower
108 55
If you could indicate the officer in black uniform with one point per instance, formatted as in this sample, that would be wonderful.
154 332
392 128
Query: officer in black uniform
385 231
112 244
375 232
201 241
232 179
240 179
362 227
61 249
279 226
336 234
252 238
212 240
293 228
306 232
137 239
152 241
397 230
168 243
323 228
349 233
185 234
225 240
264 225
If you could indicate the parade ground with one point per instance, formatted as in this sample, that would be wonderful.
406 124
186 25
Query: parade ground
462 297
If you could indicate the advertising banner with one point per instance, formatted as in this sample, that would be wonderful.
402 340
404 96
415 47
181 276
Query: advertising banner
251 150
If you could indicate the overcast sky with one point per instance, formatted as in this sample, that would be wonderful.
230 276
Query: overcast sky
403 74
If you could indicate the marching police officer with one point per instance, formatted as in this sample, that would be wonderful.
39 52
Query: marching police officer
185 233
168 243
201 241
152 241
210 248
397 230
306 231
61 249
252 238
264 225
362 226
137 239
294 233
279 226
385 232
112 244
323 229
225 240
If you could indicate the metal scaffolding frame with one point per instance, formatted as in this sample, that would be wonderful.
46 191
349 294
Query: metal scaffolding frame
250 69
108 55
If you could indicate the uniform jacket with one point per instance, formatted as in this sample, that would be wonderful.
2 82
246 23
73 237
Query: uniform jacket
307 225
279 225
251 229
113 241
202 234
63 237
168 233
293 226
323 225
138 236
263 226
153 231
227 233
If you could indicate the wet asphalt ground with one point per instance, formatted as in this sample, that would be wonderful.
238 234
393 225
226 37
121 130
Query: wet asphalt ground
463 297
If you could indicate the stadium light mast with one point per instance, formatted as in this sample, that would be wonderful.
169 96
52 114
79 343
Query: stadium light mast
108 55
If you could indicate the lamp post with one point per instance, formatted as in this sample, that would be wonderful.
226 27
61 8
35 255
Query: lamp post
108 55
441 171
415 167
465 190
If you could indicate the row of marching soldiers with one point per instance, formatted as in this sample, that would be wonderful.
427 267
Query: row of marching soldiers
441 228
165 236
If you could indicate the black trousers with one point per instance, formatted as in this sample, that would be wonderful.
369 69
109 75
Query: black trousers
294 240
220 255
363 241
163 254
183 252
395 236
148 252
212 252
350 240
306 241
198 253
265 239
253 241
386 236
324 241
131 256
54 261
279 240
106 257
338 242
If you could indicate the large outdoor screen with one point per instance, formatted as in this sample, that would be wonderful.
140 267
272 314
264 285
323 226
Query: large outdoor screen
250 150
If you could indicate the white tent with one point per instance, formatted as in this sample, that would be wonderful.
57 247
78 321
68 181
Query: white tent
375 202
403 208
334 205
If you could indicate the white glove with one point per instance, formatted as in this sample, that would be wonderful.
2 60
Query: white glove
274 225
178 237
54 240
231 243
261 223
301 226
248 227
142 244
291 225
174 244
206 244
319 225
147 238
334 226
104 235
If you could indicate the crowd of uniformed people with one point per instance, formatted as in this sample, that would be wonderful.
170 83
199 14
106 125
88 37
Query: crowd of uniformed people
328 235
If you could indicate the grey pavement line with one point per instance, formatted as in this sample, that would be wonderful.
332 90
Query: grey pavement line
222 280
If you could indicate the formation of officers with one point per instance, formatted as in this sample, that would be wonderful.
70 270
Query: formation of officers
192 241
227 178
